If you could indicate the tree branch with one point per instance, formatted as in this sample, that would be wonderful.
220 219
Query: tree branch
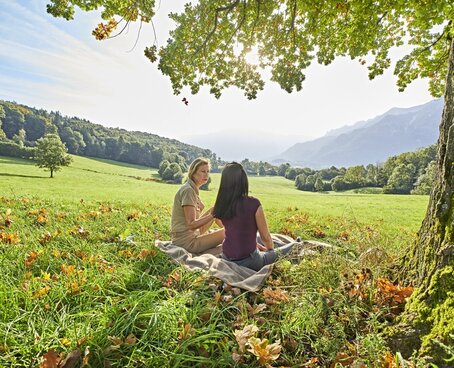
227 8
427 48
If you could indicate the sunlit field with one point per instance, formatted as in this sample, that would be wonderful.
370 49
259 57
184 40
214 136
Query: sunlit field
81 275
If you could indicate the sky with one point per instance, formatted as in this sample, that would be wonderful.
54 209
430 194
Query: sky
58 65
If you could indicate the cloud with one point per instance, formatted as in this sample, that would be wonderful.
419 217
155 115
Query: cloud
41 63
57 65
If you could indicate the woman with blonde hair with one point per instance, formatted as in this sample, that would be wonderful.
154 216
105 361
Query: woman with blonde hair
189 227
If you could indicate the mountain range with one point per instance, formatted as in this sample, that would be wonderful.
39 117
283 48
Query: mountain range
251 144
396 131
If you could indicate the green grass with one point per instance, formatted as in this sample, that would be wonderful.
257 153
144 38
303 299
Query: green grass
103 180
74 278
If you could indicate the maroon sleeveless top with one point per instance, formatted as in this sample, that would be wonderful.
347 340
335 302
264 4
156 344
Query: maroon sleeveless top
241 230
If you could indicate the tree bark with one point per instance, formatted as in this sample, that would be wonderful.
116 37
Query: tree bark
428 320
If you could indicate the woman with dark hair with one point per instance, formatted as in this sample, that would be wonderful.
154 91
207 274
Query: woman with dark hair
242 216
189 226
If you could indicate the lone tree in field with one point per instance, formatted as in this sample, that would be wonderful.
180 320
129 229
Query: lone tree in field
288 35
51 153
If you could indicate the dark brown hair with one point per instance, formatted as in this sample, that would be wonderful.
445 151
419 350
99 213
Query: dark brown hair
234 185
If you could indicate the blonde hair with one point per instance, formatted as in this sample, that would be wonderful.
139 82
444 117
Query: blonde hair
194 166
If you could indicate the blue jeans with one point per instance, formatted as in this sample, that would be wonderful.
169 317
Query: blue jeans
257 259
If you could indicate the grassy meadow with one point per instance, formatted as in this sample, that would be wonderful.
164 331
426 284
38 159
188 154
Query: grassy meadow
82 279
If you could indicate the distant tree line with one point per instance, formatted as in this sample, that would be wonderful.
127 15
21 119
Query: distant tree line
21 127
407 173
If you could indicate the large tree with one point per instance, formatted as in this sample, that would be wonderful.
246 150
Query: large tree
210 44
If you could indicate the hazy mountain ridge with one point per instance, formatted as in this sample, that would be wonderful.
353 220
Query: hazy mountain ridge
251 144
374 140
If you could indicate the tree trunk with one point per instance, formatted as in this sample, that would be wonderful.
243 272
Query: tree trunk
428 319
51 173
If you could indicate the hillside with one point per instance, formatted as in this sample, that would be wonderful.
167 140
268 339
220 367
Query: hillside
394 132
81 271
24 125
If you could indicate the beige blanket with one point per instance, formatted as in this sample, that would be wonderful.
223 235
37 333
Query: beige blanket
229 272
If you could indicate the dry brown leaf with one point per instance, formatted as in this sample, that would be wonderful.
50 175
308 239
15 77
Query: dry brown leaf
259 308
186 332
31 258
71 359
9 238
242 336
343 359
388 293
114 340
134 215
144 253
87 355
130 340
237 358
68 269
217 297
263 350
51 359
41 292
82 340
311 363
275 296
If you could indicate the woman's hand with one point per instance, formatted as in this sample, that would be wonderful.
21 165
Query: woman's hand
193 221
261 247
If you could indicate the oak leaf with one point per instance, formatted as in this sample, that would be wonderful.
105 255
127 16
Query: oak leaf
51 359
275 296
263 350
256 309
242 336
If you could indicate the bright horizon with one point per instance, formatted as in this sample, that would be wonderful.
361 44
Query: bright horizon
57 65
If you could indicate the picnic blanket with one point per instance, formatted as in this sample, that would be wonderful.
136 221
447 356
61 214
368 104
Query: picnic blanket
227 271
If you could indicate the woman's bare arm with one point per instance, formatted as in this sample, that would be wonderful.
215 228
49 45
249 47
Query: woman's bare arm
194 223
263 228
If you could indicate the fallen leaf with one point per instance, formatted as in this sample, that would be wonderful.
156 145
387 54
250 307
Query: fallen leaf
41 292
86 357
186 332
71 359
65 341
256 309
51 359
9 238
116 341
263 350
130 340
275 296
237 358
31 258
242 336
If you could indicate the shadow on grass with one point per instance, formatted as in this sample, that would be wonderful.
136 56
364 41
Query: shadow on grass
119 163
16 161
24 176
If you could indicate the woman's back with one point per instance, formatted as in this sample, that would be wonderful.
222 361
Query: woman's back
241 230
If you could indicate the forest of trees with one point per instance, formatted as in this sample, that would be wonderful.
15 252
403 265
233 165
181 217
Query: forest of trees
22 126
407 173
